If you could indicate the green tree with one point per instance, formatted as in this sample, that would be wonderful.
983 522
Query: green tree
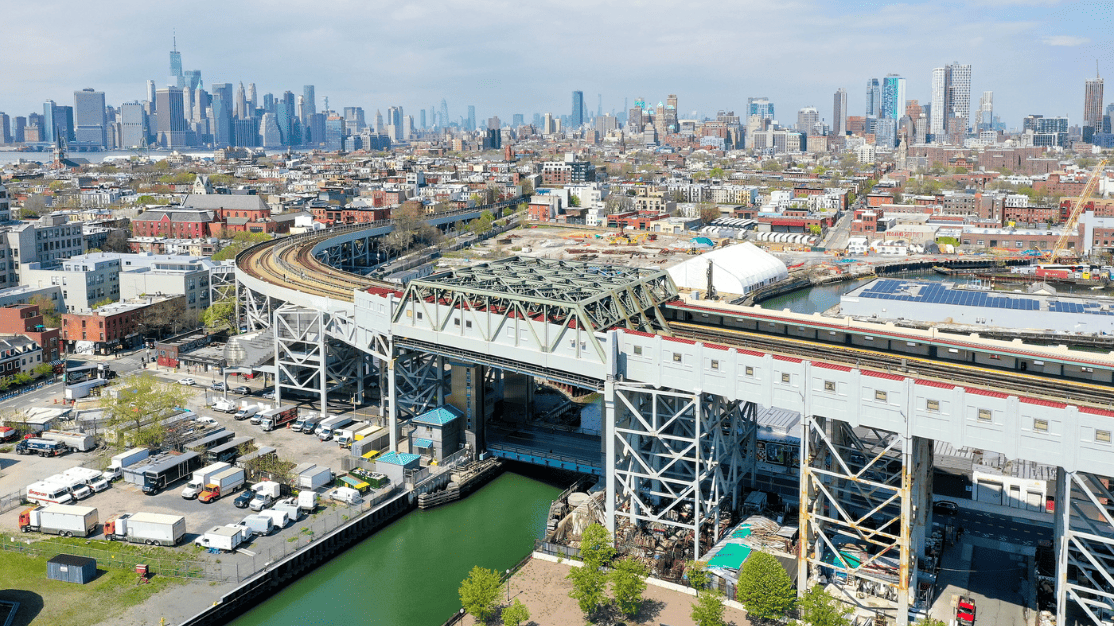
716 172
482 224
480 592
628 583
44 369
139 408
708 609
709 212
99 303
220 315
697 572
764 587
595 546
588 586
515 614
51 318
819 608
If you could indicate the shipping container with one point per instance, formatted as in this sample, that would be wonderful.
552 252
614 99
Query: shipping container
71 569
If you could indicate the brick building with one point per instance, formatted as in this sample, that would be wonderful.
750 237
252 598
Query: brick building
25 320
116 326
1059 184
332 215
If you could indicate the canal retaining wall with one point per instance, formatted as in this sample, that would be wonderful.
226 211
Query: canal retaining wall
264 584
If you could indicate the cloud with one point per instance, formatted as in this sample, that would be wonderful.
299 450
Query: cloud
1065 40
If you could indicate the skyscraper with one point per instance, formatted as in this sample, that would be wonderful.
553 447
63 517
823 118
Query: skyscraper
839 113
176 77
873 98
576 119
937 111
893 97
762 107
807 118
1092 106
252 101
241 109
422 116
957 101
133 125
984 117
151 93
310 105
171 126
89 116
471 117
444 113
47 131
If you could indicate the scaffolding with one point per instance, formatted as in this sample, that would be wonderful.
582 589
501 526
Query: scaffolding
676 459
864 507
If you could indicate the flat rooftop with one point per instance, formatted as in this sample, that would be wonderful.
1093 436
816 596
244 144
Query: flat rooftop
893 299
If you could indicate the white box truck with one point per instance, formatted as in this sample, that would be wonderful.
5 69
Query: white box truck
330 426
224 405
258 524
149 528
201 478
290 507
222 484
247 411
126 459
307 501
93 478
280 518
315 478
222 538
75 441
266 493
60 519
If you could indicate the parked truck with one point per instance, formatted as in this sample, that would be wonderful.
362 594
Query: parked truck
93 478
222 538
83 389
161 475
247 411
41 447
306 420
314 477
126 459
278 417
45 492
307 501
149 528
266 493
327 428
75 441
280 518
228 451
289 506
222 484
60 519
201 478
224 405
258 524
215 438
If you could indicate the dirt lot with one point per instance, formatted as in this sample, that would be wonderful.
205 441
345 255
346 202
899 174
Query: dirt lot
542 587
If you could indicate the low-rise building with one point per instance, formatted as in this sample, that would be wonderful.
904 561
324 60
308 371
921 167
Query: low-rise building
116 326
19 354
27 321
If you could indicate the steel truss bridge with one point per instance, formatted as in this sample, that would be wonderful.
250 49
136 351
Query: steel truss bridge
681 383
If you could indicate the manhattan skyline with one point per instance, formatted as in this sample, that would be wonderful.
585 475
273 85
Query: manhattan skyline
1033 54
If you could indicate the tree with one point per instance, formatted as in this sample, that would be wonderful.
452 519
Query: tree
482 224
764 587
515 614
99 303
628 582
43 369
588 585
708 609
51 318
479 593
220 315
140 407
771 165
595 546
709 212
117 241
819 608
697 572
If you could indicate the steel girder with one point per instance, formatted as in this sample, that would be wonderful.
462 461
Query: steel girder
863 507
256 310
416 382
1084 544
310 358
222 283
675 458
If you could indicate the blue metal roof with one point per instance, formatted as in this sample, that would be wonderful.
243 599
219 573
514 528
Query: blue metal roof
936 293
438 417
398 458
423 443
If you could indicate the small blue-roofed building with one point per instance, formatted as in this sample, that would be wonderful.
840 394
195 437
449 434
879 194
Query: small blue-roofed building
395 465
437 433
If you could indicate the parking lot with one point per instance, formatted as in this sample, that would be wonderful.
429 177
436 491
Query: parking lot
121 497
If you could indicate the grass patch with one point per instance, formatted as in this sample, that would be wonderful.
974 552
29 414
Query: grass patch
23 579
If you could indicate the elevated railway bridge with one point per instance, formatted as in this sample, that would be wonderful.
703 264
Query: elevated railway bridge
682 381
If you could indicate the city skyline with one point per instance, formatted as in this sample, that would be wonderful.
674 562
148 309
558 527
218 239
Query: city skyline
1056 43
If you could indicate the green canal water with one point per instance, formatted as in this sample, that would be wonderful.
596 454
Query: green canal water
823 297
409 572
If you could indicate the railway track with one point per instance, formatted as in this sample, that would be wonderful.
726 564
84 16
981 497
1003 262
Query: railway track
1020 383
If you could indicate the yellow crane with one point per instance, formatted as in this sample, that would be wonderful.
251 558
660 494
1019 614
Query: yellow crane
1077 211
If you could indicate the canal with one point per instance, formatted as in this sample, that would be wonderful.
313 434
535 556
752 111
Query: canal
409 572
823 297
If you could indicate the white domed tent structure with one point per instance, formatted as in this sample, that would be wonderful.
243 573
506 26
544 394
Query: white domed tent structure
737 269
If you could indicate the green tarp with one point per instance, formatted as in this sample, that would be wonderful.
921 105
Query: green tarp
730 556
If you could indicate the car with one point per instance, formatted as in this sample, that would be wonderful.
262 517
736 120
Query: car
218 386
242 390
187 381
269 395
206 420
244 499
945 507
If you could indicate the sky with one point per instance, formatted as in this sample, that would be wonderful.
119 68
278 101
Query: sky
509 57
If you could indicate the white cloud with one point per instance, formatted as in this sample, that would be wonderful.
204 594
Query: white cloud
1065 40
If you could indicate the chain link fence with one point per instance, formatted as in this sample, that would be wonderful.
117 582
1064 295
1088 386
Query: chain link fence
11 501
178 568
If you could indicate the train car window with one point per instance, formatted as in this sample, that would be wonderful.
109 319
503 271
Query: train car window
984 415
1102 436
750 371
638 350
785 377
1041 425
676 357
932 405
715 364
829 385
880 395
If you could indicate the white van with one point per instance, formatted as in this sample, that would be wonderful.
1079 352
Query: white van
49 493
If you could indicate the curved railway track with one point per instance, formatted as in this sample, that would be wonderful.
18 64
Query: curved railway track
1056 389
292 265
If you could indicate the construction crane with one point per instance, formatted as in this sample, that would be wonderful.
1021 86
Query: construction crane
1077 211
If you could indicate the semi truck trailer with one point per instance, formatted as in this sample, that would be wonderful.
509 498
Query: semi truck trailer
60 519
149 528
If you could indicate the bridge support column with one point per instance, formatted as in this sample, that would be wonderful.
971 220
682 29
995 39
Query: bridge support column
1084 542
300 358
415 383
864 506
673 458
